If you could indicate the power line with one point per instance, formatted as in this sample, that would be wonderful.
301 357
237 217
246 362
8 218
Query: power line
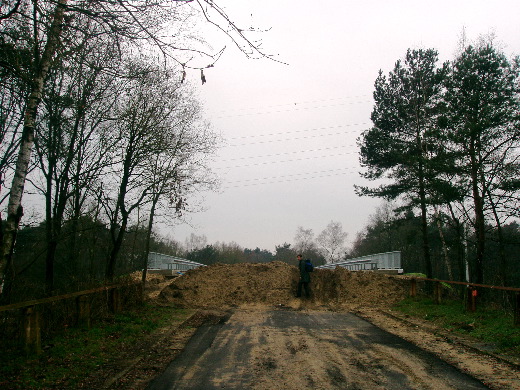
306 158
293 109
286 153
299 131
295 103
292 175
291 179
294 138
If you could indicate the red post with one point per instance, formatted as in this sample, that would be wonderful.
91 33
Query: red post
472 299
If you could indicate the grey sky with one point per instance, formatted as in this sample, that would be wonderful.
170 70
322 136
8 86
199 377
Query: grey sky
289 157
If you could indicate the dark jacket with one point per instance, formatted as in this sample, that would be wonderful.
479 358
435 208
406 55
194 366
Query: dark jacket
304 275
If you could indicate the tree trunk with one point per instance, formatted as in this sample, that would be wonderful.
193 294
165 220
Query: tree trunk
444 246
116 247
424 223
478 203
14 208
503 271
461 252
148 239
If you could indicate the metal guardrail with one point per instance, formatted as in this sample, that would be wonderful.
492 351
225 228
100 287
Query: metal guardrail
359 266
161 261
378 261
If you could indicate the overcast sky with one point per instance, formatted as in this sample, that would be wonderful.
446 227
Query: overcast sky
289 156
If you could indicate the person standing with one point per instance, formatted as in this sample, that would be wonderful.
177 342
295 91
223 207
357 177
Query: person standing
305 279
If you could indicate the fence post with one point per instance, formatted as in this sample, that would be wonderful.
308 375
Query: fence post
32 330
437 292
517 309
472 299
413 288
115 300
83 310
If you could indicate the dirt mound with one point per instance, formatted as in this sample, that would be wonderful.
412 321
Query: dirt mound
275 283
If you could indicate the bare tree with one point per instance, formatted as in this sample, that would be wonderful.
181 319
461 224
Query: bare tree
304 241
49 27
178 169
68 152
195 242
331 241
42 63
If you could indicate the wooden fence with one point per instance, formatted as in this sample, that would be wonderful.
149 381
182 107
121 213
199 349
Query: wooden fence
472 294
31 318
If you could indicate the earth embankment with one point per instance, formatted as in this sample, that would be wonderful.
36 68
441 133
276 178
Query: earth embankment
275 283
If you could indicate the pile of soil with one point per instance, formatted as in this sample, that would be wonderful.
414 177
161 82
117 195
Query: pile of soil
275 283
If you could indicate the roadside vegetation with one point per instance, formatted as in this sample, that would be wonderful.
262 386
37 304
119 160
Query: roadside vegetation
491 325
76 353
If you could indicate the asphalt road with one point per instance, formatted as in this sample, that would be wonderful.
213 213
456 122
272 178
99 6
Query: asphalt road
279 348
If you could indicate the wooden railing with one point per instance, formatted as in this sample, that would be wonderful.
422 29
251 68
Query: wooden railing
472 293
31 316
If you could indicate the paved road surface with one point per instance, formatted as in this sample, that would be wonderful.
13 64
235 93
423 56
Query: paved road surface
278 348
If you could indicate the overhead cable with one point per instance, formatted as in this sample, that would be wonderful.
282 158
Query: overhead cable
291 139
286 153
289 179
305 158
298 131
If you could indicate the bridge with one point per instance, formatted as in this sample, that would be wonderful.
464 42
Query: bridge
389 262
169 265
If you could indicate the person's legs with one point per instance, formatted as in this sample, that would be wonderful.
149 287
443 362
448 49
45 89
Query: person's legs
299 292
307 289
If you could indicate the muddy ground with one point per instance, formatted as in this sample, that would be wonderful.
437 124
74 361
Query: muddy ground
213 293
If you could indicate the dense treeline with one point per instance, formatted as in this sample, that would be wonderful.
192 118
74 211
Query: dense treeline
444 144
111 151
233 253
87 267
452 251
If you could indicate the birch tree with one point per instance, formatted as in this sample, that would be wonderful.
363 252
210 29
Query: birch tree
331 241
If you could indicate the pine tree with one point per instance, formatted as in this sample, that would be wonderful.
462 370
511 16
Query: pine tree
403 147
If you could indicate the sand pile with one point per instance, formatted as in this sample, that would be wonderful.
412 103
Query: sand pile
225 285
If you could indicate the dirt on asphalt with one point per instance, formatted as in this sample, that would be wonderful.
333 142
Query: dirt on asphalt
213 293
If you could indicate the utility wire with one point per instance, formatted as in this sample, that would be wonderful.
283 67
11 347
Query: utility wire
306 158
292 175
299 131
289 139
294 108
286 153
289 179
293 103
